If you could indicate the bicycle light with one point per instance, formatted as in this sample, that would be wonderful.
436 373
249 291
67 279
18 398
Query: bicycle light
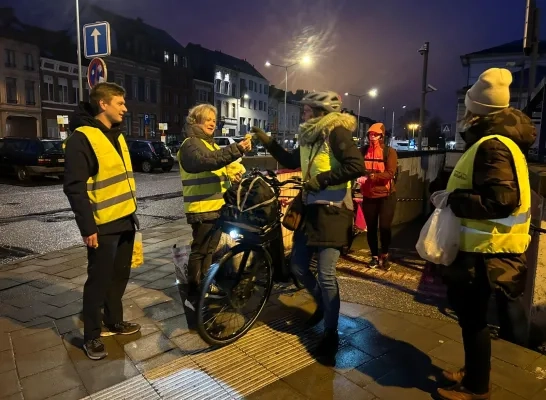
234 234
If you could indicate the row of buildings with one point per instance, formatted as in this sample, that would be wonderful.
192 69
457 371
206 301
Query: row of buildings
162 78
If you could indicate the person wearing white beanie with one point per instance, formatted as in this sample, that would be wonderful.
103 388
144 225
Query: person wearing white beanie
489 191
491 92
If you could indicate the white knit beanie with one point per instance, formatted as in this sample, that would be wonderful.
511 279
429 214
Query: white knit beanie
490 93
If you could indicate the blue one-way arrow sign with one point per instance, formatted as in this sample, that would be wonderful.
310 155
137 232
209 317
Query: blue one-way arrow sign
96 39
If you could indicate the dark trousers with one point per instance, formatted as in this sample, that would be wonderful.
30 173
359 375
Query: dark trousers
205 242
470 301
379 213
108 270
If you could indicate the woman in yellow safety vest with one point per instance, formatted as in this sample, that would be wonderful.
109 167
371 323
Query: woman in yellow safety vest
489 190
329 161
206 172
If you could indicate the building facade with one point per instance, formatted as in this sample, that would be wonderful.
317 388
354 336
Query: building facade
253 102
202 92
20 105
283 126
142 84
226 100
59 92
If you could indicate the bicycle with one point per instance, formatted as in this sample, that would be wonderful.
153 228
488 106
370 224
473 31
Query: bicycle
234 284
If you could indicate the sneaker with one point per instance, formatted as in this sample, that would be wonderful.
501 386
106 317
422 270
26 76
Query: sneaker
459 392
374 263
384 262
95 349
121 328
314 319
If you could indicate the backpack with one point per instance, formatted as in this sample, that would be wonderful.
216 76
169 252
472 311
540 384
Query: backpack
252 202
364 151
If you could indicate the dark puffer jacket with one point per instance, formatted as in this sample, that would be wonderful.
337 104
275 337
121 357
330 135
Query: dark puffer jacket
495 194
195 157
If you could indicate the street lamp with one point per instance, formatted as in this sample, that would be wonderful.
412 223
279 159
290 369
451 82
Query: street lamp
305 60
413 127
372 93
424 50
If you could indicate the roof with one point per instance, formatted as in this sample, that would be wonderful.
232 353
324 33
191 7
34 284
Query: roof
53 44
514 47
203 60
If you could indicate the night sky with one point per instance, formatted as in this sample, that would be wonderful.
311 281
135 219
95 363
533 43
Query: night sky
356 44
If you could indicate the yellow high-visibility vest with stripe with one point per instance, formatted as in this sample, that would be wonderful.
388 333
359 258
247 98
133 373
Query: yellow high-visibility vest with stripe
204 191
494 236
112 192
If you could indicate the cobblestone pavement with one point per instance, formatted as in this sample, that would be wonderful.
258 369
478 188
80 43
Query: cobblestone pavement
388 352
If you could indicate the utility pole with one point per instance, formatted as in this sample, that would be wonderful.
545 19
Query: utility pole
531 42
424 50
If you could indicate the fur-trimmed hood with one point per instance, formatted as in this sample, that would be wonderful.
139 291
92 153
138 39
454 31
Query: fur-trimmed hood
319 128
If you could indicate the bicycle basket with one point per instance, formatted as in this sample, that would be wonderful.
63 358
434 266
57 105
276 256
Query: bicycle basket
252 202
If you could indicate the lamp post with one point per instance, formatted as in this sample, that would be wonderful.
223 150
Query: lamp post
392 128
424 50
372 93
80 77
304 60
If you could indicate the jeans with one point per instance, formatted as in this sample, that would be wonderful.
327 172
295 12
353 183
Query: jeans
108 270
205 241
325 291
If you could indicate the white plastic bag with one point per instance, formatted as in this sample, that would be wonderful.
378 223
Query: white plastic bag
440 237
181 256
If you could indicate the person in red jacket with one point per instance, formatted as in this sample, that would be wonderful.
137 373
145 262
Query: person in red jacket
378 192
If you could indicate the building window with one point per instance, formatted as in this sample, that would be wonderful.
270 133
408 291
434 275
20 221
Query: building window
29 93
29 62
226 88
266 89
242 102
250 85
176 99
119 81
141 89
185 62
260 105
166 56
177 118
167 117
48 88
63 90
141 126
76 91
255 104
242 123
10 58
233 110
217 84
135 88
226 108
255 122
11 90
234 90
219 108
153 92
153 123
147 91
260 88
128 124
128 87
175 59
167 97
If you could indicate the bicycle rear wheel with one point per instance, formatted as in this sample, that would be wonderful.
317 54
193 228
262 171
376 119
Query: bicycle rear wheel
234 294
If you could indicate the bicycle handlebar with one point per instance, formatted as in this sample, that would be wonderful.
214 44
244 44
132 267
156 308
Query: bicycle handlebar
537 229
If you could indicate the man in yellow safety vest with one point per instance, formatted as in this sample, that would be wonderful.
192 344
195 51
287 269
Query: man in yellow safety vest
101 189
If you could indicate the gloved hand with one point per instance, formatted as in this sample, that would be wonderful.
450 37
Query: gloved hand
260 135
312 185
439 198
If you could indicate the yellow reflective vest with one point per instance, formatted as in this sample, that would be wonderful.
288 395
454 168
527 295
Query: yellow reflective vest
204 191
112 191
323 162
493 236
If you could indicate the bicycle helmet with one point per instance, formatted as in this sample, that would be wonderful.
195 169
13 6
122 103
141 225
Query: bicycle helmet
326 100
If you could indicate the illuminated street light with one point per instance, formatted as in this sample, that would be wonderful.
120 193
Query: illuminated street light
372 93
413 127
305 60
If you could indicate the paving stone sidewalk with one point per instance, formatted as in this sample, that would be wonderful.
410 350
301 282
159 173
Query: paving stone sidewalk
384 355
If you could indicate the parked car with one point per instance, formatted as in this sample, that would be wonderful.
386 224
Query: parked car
31 157
223 141
147 155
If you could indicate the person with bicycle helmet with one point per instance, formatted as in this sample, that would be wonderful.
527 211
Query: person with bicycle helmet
329 160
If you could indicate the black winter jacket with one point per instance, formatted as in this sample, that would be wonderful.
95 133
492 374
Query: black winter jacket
495 193
324 225
195 157
81 164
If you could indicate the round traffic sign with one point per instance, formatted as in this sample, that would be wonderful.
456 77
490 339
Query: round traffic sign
96 72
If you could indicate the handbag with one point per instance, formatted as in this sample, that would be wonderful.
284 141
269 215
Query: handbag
294 214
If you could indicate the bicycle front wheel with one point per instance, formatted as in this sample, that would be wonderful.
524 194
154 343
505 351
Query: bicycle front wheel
234 294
